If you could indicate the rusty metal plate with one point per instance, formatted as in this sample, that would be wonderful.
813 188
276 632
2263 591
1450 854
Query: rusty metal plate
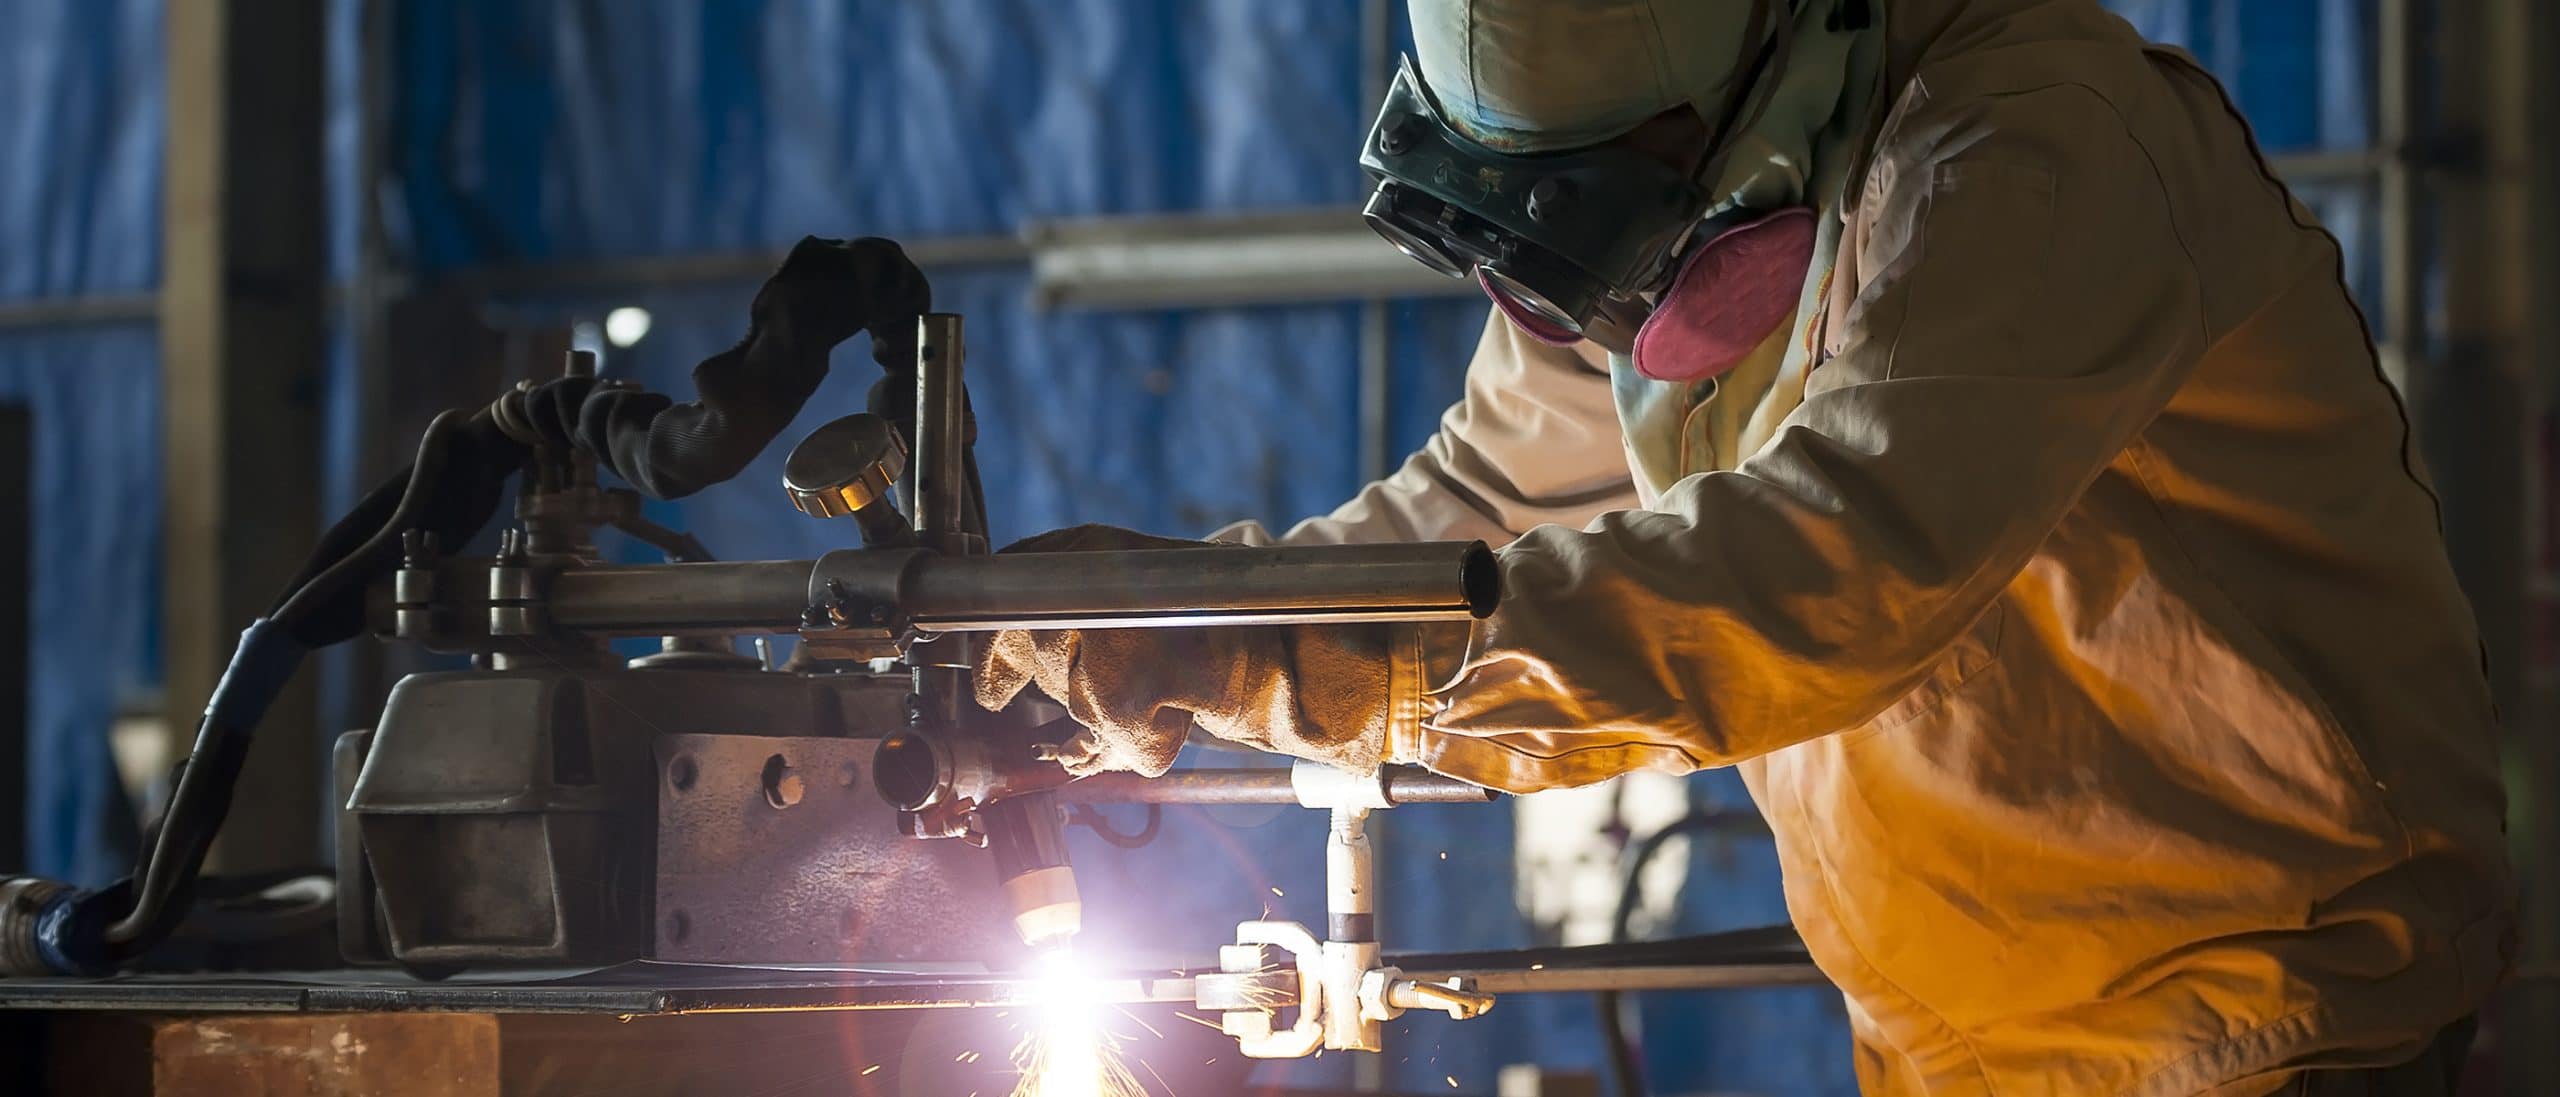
776 850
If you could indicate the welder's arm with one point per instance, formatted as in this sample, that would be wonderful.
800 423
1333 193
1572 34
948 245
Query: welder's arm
2027 310
1533 440
824 292
1328 693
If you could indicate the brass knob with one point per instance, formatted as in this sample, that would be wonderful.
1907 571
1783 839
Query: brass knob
844 466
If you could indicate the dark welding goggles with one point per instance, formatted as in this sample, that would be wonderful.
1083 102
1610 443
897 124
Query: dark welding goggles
1564 241
1555 236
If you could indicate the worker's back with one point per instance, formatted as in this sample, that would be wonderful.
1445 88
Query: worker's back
2211 791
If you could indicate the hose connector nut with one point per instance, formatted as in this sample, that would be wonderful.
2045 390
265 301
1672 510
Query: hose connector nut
23 901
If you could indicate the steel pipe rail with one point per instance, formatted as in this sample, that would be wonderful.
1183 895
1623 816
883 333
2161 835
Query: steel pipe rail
1213 585
1553 980
1404 785
645 599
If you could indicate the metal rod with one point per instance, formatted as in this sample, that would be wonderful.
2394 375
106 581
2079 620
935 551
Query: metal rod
85 310
941 478
790 990
2404 293
681 271
648 599
1377 390
1200 586
1405 785
1661 977
17 547
1226 585
942 507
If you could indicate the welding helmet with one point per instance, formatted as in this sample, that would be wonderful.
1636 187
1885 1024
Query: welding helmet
1555 238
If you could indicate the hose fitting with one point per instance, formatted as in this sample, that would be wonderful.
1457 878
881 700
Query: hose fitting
24 901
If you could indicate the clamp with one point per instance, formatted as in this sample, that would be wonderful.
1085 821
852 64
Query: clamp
1343 993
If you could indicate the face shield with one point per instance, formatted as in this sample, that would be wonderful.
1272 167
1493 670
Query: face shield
1564 242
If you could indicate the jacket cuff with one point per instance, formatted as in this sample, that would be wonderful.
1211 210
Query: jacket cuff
1422 659
1248 532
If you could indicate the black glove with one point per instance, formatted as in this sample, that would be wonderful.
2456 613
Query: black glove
825 291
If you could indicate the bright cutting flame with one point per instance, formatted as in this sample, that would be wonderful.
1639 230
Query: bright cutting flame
1067 1053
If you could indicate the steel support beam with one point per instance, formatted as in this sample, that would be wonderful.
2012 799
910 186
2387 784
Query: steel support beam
2522 100
1159 261
83 311
241 330
2536 751
2472 372
1225 260
17 550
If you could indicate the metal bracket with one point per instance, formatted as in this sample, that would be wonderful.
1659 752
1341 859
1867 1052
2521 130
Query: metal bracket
1345 992
1252 1026
853 611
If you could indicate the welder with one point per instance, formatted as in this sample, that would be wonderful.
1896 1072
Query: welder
1936 410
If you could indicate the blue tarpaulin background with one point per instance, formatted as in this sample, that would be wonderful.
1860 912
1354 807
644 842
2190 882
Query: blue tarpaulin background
586 130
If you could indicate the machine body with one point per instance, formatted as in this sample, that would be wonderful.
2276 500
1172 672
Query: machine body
550 805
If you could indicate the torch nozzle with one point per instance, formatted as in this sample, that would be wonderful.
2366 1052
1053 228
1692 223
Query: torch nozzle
1029 844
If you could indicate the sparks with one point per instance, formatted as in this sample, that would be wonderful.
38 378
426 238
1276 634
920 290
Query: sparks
1066 1052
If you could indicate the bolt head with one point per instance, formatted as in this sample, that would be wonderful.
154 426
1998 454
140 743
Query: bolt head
1400 135
1548 198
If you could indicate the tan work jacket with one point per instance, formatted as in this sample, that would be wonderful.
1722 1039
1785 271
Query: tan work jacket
2077 614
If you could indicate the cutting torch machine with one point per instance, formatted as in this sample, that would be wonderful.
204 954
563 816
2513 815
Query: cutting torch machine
558 800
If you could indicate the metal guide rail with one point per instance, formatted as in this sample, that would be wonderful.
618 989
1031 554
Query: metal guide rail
1743 959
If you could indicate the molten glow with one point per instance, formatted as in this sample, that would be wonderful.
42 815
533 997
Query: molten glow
1066 1052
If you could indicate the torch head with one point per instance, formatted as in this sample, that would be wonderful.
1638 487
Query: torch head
1028 840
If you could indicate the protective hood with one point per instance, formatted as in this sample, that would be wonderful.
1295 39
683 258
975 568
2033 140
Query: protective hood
1546 75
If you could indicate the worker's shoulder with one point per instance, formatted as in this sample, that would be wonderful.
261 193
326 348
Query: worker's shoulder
2030 93
2064 98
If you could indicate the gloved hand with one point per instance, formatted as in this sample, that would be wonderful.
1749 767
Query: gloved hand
1329 693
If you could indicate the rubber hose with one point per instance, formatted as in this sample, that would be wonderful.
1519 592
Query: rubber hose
825 291
1626 1062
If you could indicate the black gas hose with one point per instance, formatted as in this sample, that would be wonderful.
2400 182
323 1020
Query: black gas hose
1625 1059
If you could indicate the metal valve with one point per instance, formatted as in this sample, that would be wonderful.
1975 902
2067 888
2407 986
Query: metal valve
845 466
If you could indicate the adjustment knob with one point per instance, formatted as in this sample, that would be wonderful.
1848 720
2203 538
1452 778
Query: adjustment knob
844 466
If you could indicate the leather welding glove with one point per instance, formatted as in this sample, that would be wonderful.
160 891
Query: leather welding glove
1337 694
